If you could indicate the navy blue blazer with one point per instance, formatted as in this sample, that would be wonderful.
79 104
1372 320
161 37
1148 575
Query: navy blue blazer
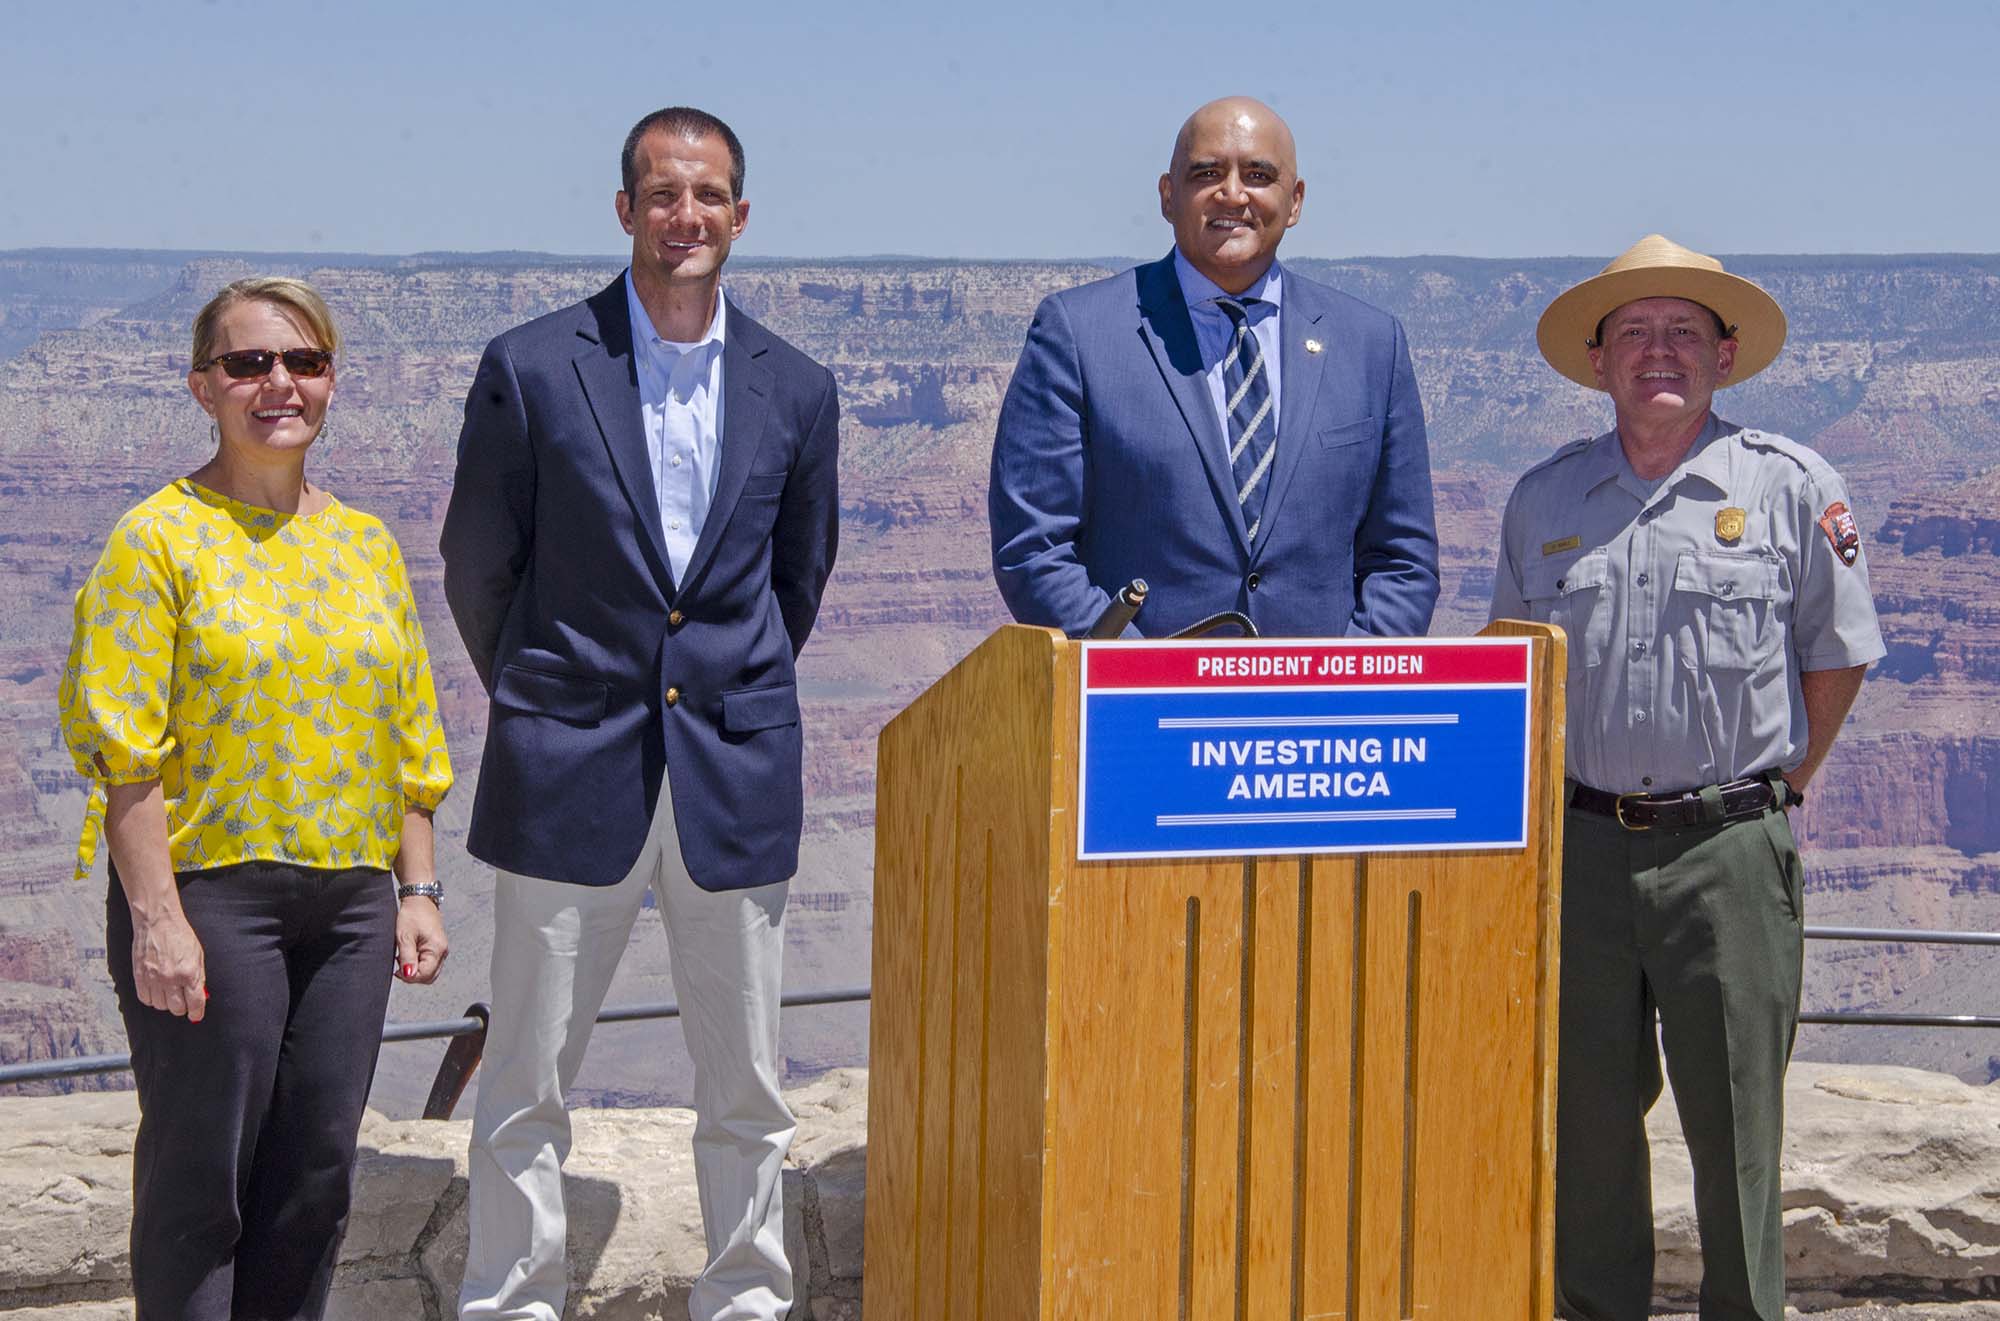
1109 465
603 670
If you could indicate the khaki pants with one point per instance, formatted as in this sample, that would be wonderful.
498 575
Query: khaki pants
555 947
1699 930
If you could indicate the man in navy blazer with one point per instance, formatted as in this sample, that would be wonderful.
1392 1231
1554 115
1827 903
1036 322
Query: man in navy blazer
1134 441
643 518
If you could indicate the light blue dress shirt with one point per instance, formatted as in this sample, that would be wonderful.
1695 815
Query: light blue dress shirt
1213 330
680 405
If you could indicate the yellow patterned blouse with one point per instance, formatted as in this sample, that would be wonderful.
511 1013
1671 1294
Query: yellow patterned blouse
268 669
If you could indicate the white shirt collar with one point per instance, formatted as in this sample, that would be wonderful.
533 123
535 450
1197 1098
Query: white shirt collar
644 336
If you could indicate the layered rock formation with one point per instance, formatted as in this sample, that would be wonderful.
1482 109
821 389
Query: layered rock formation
1891 369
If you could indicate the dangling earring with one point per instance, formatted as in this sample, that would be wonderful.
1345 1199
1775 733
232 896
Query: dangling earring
214 433
319 437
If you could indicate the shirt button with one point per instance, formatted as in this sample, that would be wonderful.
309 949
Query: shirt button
1640 647
1646 780
675 525
1639 717
1252 581
673 696
1729 589
677 460
675 619
1642 580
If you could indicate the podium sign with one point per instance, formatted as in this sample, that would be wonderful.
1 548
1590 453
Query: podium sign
1222 749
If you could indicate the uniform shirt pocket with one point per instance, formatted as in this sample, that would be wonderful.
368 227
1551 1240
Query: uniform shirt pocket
1723 615
1571 595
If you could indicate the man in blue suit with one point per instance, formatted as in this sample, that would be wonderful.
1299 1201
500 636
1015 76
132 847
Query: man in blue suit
1237 435
643 519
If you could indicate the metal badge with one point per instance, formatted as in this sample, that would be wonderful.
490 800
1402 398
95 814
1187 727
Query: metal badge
1313 346
1729 524
1558 547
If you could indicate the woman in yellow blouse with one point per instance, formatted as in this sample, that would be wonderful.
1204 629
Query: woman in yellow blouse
248 687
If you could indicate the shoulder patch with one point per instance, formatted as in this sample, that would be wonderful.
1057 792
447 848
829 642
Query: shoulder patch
1838 523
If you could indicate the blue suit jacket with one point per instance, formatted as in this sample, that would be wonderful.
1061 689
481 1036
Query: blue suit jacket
557 575
1109 465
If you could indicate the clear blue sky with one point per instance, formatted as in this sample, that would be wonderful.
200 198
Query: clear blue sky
1022 128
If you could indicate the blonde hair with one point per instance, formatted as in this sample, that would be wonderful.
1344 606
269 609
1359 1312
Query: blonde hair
293 295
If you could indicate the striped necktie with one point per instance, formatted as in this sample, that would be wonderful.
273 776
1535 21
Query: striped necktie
1253 432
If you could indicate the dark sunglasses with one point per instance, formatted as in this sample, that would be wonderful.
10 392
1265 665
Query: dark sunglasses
249 364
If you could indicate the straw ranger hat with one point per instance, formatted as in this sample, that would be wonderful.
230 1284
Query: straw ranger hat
1658 267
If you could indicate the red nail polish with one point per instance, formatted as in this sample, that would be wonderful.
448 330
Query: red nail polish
409 970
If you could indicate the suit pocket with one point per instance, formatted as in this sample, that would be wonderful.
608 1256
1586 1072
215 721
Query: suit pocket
746 710
569 697
1346 433
764 485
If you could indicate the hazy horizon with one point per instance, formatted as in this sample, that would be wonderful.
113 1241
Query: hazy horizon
1030 130
747 259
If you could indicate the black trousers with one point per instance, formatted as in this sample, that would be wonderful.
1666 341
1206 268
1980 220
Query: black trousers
242 1168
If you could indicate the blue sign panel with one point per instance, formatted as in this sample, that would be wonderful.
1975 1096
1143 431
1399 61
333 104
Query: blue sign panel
1224 749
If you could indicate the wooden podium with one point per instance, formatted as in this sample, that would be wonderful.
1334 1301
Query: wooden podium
1274 1087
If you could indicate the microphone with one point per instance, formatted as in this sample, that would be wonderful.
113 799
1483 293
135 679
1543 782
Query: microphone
1235 619
1125 603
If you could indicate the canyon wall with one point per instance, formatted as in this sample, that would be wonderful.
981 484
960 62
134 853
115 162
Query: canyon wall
1893 369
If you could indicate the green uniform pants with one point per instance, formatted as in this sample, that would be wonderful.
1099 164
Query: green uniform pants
1701 930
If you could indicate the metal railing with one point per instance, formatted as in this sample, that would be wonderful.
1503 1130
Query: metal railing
468 1034
461 1058
1896 936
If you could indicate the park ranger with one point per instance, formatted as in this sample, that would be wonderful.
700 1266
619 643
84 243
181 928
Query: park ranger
1713 587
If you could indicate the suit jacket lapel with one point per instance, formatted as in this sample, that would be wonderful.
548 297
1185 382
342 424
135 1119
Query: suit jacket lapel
609 376
1169 333
1298 392
746 403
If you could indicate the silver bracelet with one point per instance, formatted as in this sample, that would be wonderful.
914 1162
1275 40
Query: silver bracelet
430 890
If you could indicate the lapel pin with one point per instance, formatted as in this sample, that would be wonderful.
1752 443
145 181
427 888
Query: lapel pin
1312 346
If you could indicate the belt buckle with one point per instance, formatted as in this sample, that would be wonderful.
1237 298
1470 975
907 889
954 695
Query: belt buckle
1618 812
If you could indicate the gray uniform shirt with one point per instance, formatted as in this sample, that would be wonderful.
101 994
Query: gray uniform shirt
1692 606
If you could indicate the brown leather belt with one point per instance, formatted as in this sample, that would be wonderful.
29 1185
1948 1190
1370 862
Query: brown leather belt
1718 804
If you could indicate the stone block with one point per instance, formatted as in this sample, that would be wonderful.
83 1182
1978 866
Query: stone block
838 1181
65 1190
404 1173
376 1300
831 1150
1892 1185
